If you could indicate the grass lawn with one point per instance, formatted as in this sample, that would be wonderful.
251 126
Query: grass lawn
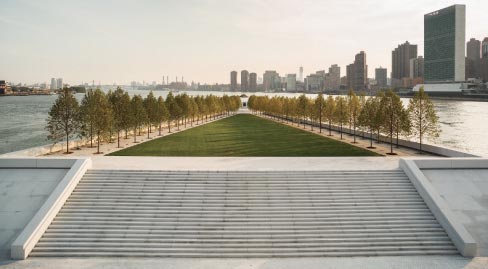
244 135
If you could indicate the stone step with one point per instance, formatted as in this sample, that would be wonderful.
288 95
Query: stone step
216 249
102 234
244 245
243 214
277 254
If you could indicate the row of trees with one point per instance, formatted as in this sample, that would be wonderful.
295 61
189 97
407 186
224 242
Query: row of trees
383 114
102 116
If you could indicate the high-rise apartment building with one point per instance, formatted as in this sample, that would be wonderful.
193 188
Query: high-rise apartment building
381 77
473 57
244 80
444 45
333 78
291 82
484 60
400 62
350 76
360 72
53 84
59 83
271 80
233 81
253 82
417 67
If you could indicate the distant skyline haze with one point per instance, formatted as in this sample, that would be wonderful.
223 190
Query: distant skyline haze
123 41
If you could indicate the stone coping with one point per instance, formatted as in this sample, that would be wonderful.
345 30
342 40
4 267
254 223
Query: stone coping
461 238
36 227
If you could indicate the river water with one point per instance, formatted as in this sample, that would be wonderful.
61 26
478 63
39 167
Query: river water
464 124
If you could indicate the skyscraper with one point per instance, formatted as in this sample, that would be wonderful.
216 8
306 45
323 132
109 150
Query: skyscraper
271 80
59 83
381 77
300 78
400 62
333 80
244 80
253 82
473 53
233 81
484 60
360 72
350 76
291 82
53 84
417 67
444 42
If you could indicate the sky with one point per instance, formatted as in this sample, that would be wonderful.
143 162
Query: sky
119 41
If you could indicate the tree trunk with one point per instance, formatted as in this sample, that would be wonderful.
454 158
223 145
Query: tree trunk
118 139
135 135
98 142
159 128
148 130
67 143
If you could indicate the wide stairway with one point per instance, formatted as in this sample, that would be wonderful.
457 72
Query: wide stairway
244 214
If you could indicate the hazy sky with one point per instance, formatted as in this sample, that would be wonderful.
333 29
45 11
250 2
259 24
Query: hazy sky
115 41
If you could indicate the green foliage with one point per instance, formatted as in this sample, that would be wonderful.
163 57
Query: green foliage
63 120
424 120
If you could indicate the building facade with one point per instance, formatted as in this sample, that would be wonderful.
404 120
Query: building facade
244 80
291 82
253 82
333 80
417 67
484 60
314 82
271 80
381 77
350 76
59 83
473 57
53 84
444 42
233 81
360 72
300 77
400 62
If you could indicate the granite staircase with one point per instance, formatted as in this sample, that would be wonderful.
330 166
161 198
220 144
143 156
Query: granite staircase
243 214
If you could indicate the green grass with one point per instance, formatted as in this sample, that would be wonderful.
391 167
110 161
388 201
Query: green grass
244 135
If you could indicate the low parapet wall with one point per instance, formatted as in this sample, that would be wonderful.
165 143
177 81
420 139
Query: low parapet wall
459 235
33 231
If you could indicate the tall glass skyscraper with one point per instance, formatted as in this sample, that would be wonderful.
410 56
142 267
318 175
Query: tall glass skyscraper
444 44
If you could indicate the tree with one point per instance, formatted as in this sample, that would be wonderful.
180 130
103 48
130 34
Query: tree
102 121
120 102
173 109
88 115
162 113
330 107
63 119
423 116
138 114
302 108
151 106
341 112
319 108
367 117
354 110
392 109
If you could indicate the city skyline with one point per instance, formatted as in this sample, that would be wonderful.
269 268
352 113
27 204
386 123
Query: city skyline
97 41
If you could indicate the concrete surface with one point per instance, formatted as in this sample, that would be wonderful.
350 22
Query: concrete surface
466 193
245 163
22 193
408 262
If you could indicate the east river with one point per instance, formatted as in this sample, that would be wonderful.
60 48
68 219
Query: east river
464 124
